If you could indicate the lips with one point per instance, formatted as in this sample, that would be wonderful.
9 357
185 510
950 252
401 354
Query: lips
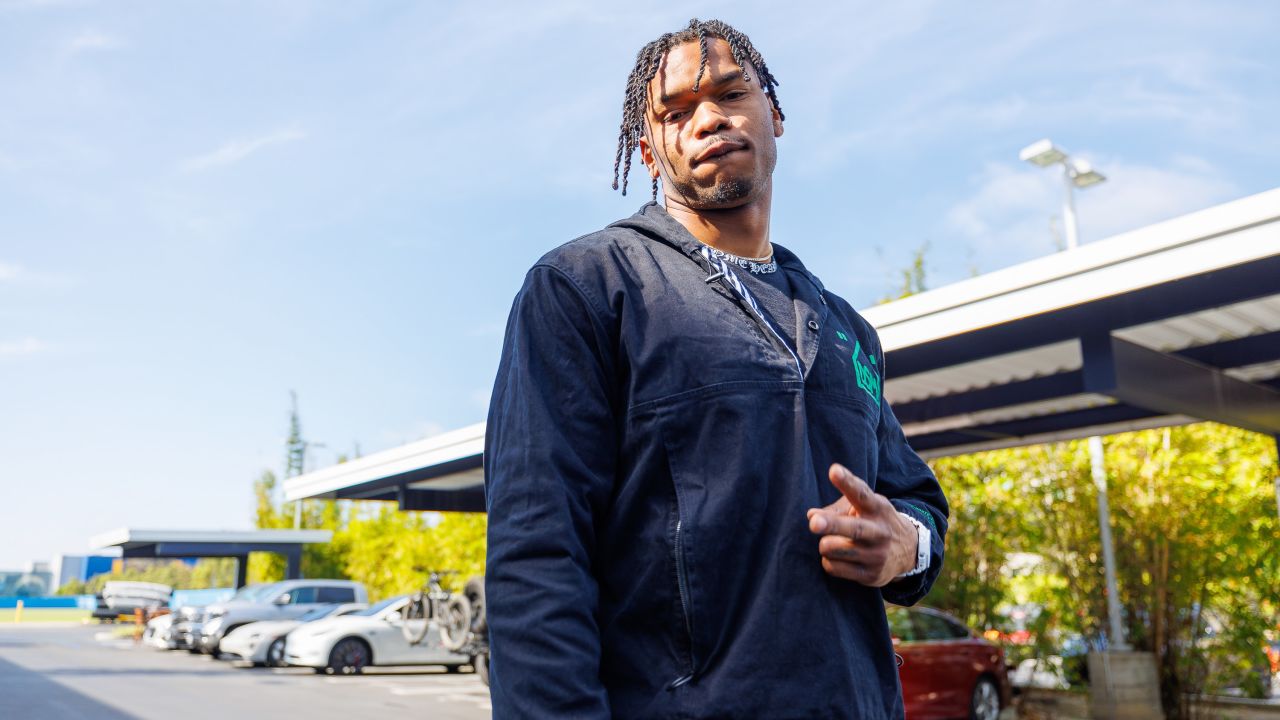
718 149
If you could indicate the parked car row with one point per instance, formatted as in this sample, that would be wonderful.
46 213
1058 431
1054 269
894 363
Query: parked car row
946 669
326 625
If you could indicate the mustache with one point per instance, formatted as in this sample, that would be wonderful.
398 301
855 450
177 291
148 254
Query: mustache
713 140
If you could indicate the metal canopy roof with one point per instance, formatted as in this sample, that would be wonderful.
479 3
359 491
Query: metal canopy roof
1168 324
238 544
442 472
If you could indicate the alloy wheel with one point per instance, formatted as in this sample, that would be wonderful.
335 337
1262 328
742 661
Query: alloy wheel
986 701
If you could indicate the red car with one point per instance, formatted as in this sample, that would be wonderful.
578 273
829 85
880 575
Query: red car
947 670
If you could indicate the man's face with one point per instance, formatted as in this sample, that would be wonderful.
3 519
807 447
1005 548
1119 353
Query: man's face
714 148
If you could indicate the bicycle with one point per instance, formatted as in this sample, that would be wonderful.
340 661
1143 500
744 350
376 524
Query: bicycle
451 612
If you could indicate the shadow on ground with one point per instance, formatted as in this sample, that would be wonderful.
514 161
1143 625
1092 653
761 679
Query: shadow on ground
27 694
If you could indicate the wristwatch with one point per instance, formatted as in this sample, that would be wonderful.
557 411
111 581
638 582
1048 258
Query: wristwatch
922 547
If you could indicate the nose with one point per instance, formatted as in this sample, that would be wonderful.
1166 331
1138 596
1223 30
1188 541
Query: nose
708 120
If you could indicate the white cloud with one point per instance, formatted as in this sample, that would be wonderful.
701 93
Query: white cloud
26 277
93 40
1138 195
25 346
1014 213
31 4
237 150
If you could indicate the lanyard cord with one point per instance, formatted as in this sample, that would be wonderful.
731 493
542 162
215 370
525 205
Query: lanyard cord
720 269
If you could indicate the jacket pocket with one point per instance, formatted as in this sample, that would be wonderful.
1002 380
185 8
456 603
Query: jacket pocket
682 587
739 474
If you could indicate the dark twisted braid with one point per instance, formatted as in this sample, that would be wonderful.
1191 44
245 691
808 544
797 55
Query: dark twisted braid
636 99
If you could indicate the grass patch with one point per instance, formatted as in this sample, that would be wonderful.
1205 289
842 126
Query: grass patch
44 615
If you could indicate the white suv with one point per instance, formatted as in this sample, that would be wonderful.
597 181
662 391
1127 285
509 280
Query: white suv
284 600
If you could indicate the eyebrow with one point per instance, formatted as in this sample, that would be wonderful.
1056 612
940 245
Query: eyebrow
715 82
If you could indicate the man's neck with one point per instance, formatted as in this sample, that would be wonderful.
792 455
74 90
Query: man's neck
741 231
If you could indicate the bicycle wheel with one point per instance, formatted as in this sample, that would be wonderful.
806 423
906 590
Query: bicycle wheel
474 590
455 623
414 621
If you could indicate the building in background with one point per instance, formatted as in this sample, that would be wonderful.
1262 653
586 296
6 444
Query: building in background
35 580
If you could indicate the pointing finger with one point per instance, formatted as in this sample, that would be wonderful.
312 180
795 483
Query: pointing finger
852 487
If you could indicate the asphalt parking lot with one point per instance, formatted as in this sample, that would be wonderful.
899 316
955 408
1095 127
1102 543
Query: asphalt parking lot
64 672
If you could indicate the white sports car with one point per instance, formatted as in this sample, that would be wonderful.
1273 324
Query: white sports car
262 643
347 644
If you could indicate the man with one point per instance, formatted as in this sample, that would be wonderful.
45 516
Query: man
698 499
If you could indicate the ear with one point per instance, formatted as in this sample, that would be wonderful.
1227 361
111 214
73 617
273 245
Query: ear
646 155
777 121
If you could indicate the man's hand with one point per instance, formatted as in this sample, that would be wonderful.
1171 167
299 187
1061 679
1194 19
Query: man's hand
864 539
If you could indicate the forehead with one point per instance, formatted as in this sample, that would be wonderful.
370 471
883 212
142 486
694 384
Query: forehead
679 67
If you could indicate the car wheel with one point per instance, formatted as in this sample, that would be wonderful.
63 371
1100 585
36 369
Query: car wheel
349 657
275 653
985 704
481 664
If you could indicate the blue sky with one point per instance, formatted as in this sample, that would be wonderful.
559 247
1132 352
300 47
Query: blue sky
205 205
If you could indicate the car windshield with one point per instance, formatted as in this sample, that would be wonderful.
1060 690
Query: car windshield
379 607
251 592
320 612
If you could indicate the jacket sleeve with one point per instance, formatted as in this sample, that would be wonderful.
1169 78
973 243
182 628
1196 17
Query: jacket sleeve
912 488
549 467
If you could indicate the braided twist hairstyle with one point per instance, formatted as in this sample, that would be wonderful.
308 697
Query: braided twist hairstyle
635 101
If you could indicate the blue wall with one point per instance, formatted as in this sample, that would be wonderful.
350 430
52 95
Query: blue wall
84 602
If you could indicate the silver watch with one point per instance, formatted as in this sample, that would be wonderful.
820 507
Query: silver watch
922 547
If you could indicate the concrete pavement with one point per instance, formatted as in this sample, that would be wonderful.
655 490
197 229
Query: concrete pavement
75 672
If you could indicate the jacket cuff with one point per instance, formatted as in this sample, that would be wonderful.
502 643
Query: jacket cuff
910 590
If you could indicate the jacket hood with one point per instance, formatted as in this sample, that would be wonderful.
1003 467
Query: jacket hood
653 221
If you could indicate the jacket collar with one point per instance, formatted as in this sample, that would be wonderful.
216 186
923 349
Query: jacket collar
655 222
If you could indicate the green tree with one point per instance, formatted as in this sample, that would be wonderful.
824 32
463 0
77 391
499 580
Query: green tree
912 278
266 567
1196 535
214 573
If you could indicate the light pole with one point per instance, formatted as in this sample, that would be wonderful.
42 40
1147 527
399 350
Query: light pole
1080 174
297 504
1076 174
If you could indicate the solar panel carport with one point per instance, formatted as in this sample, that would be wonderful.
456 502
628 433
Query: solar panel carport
1168 324
236 544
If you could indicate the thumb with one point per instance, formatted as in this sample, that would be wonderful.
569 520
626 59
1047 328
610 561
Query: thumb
859 494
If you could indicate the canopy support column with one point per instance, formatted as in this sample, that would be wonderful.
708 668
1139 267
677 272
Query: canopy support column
242 571
293 564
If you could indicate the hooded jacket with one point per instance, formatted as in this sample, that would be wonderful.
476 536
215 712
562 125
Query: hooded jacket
653 444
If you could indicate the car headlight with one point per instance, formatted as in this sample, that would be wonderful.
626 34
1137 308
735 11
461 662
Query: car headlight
215 614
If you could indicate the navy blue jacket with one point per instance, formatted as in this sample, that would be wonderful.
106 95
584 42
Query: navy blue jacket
652 449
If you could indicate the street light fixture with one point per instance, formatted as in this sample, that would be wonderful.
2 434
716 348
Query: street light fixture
1076 174
1042 153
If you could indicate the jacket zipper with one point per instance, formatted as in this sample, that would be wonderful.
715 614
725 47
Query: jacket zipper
682 583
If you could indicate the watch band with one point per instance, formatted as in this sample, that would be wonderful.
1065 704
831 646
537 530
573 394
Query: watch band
922 547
